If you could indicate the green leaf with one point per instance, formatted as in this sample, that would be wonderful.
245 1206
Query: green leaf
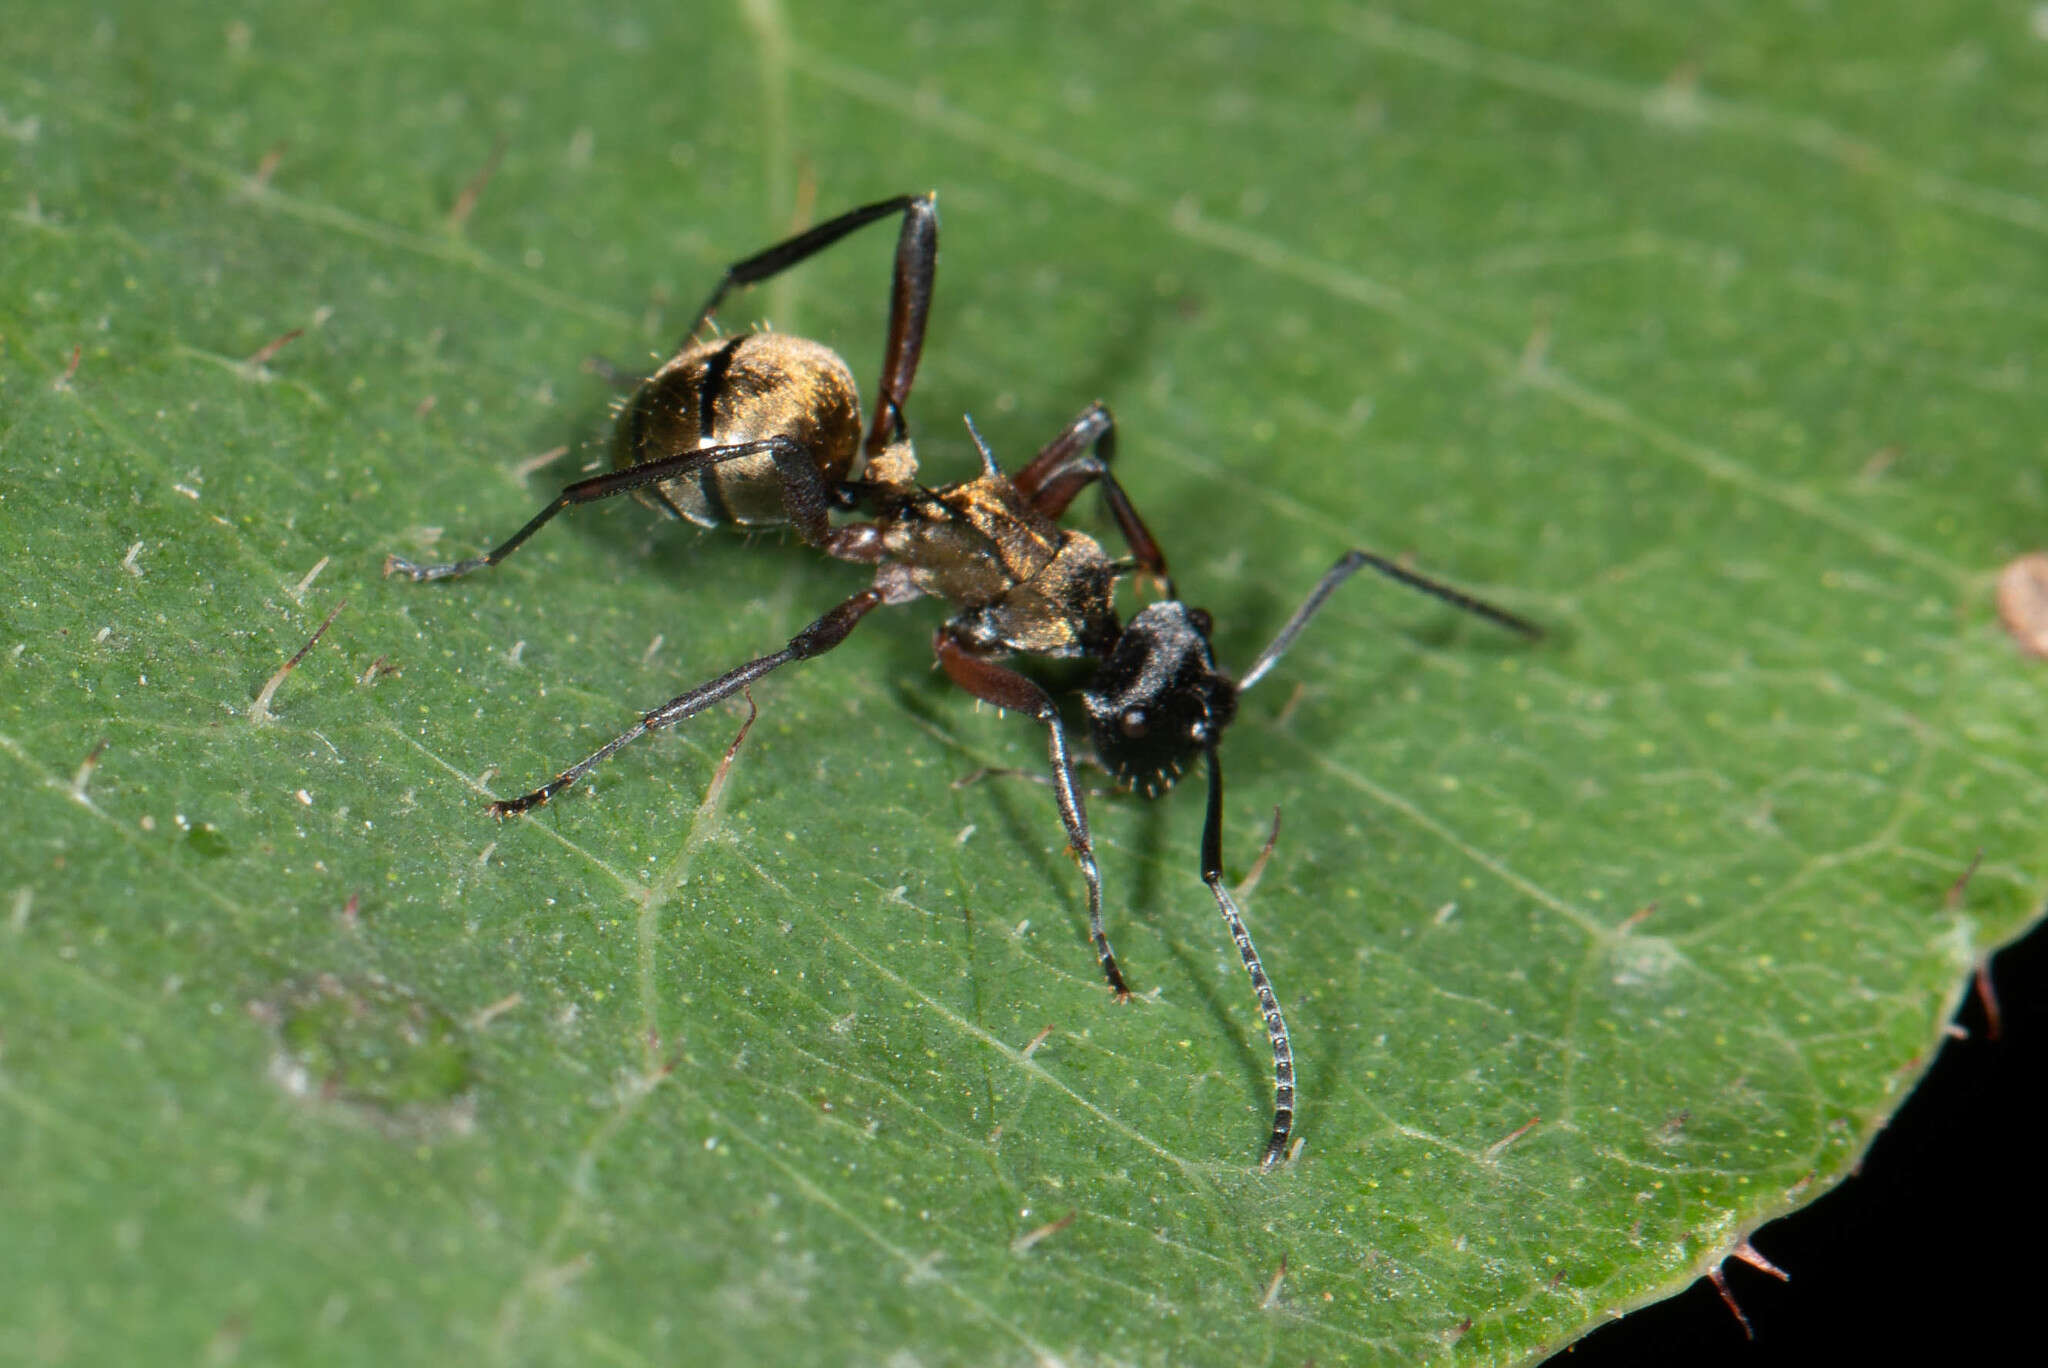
1712 350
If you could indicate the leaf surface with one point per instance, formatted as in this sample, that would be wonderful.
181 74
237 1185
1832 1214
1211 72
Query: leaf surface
1711 352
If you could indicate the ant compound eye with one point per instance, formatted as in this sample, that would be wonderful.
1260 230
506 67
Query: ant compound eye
1134 722
1198 730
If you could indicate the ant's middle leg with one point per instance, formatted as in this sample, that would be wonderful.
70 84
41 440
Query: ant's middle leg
1004 687
806 496
1081 456
816 639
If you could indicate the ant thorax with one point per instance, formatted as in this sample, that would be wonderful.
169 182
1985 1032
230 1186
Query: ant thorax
1021 582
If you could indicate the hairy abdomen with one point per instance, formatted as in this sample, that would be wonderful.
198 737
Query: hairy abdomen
742 389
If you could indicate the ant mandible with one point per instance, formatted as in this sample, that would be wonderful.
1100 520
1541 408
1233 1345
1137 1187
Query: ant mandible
765 429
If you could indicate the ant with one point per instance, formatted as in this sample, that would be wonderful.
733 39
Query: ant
765 429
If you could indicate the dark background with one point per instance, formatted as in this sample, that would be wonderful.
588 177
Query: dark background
1938 1239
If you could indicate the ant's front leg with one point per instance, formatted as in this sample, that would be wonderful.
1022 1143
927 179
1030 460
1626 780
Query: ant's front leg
1081 456
993 683
1349 564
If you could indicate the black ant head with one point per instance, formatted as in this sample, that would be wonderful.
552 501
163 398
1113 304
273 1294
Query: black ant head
1158 700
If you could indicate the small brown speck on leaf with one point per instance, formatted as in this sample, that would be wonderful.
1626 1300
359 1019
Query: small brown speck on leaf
2023 602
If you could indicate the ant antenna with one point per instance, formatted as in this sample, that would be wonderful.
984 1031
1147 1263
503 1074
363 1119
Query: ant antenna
1269 1002
1347 566
988 458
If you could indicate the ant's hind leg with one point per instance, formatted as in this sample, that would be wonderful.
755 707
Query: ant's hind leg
806 497
910 293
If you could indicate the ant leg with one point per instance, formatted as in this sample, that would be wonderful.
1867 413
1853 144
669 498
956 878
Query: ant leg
910 295
1004 687
912 249
816 639
1096 427
910 301
1262 987
773 261
1059 472
1349 564
805 495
